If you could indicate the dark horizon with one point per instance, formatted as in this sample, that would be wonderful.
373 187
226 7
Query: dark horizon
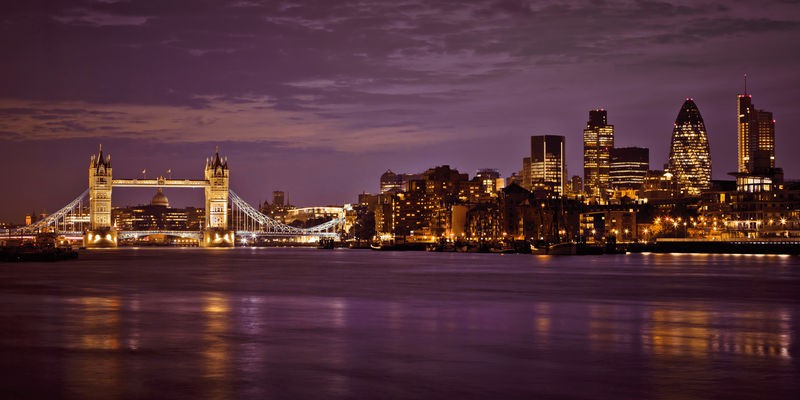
319 98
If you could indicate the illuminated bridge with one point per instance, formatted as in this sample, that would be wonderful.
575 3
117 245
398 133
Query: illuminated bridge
227 215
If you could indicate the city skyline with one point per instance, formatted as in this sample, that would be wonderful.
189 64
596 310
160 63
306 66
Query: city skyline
348 92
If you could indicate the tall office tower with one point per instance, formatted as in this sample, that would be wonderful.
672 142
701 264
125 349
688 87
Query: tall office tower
598 140
526 173
576 185
629 165
689 155
756 137
278 198
548 168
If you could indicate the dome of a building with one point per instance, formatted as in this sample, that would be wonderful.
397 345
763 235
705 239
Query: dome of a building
388 176
160 199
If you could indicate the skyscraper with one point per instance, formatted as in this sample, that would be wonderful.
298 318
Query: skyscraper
689 155
278 198
629 165
598 140
526 173
548 168
756 137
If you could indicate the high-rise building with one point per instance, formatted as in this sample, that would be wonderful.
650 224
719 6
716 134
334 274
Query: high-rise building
756 137
689 156
629 165
278 198
526 173
547 166
598 140
576 185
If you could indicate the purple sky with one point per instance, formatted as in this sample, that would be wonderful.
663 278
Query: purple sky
318 98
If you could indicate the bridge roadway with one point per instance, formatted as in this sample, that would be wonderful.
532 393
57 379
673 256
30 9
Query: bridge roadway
74 235
199 235
160 182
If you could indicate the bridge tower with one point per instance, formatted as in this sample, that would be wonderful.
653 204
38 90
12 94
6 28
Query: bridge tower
101 234
216 233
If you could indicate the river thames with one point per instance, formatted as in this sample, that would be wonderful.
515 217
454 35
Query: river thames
333 324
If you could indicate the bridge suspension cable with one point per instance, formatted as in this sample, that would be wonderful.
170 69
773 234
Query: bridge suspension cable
248 219
71 218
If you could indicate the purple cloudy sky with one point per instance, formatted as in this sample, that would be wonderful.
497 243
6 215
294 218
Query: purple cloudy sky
318 98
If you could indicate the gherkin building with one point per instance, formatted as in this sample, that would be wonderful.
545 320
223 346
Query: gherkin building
689 155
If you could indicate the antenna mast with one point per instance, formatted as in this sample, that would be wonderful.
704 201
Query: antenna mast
745 83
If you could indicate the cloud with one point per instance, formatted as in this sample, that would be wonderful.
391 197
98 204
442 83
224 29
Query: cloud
243 120
86 17
339 74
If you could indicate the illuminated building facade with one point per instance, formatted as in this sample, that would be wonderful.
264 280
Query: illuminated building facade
391 182
689 156
215 231
658 184
158 216
489 179
629 165
756 145
101 234
598 140
217 175
395 183
100 183
547 165
425 205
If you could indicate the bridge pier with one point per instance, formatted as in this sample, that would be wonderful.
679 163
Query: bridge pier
100 238
218 237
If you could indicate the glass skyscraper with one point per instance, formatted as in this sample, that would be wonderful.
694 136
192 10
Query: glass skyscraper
547 165
598 140
629 165
689 156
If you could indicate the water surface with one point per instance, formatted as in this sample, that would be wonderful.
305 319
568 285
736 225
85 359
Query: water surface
307 323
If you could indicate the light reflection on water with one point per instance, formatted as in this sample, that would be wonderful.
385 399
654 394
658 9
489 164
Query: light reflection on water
93 333
687 333
291 324
216 349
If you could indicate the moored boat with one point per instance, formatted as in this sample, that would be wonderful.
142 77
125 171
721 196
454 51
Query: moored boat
562 249
326 243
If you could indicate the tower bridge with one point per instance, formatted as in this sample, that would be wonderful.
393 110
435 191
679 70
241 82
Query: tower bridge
226 214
